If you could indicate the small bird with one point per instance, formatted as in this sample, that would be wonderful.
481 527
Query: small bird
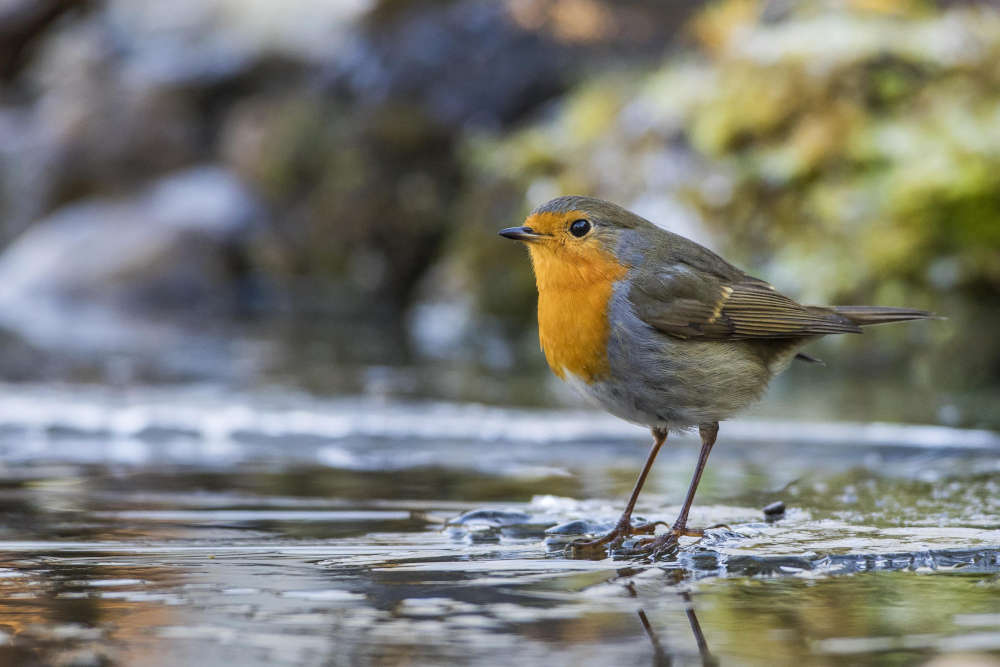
662 332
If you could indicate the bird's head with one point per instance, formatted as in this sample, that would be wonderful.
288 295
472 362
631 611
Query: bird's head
575 240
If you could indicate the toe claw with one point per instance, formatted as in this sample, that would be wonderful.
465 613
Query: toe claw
617 542
612 539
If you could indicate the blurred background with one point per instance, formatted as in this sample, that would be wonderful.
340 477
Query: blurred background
269 378
305 194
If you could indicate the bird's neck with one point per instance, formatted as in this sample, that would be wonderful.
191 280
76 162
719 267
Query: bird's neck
573 298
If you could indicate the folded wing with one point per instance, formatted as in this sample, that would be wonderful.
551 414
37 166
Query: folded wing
685 302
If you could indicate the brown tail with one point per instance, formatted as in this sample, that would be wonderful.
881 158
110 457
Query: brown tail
865 315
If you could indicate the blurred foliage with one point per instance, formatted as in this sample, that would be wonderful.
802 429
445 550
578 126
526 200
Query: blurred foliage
824 134
848 153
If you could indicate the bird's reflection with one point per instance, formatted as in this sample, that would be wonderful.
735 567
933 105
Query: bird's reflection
661 657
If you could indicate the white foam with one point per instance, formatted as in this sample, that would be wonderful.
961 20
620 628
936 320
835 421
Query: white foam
206 426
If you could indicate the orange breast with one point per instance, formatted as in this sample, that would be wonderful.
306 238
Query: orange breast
573 294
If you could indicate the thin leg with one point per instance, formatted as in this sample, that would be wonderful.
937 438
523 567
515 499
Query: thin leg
708 433
624 526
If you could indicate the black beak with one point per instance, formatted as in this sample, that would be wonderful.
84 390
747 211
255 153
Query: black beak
521 234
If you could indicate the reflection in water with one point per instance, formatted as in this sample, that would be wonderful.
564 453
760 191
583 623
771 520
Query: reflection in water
455 556
699 636
56 612
661 658
213 587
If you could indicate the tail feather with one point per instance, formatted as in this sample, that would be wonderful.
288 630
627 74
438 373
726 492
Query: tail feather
865 315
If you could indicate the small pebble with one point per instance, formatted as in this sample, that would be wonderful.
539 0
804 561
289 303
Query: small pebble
774 511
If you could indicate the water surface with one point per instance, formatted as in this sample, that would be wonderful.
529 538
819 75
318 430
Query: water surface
205 528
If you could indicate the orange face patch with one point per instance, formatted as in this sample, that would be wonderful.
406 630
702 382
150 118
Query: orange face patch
575 278
552 223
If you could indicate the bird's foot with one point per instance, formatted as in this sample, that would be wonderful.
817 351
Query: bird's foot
584 548
661 546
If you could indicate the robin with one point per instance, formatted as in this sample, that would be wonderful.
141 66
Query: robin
662 332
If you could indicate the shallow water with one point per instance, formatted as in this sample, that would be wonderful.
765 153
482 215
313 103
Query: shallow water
199 527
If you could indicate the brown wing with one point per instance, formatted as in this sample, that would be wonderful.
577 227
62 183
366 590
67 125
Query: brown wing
688 303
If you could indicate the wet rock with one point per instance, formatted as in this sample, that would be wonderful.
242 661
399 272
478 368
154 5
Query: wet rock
476 533
579 527
492 63
113 97
774 511
558 537
348 120
459 61
493 517
90 127
201 35
488 525
74 278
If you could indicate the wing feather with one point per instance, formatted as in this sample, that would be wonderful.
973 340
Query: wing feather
686 303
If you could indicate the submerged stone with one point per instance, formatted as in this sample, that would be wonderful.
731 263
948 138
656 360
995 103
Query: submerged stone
774 511
494 517
578 527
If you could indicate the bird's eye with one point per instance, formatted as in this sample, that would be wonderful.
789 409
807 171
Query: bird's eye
579 228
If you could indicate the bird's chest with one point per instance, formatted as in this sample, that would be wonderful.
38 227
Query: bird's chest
573 330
